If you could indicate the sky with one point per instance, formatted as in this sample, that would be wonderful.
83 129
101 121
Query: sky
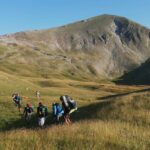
24 15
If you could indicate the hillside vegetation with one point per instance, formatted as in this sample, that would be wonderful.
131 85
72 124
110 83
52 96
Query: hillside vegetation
108 117
102 47
81 60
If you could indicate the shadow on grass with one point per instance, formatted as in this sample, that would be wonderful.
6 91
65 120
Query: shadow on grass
22 123
138 76
93 111
102 110
83 113
122 94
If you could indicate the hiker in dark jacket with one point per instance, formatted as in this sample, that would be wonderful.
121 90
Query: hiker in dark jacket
42 114
28 111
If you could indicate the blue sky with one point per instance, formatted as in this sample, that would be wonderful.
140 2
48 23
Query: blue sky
20 15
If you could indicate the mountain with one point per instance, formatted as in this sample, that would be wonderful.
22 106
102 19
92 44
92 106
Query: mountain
78 60
102 47
138 76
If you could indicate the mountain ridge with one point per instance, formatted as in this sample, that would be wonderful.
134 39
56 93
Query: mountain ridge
105 46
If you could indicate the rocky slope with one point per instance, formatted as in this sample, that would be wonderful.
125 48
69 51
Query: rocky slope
103 47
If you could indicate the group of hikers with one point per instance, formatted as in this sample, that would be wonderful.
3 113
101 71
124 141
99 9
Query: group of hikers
60 113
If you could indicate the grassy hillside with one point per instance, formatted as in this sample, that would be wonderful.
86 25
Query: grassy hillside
109 116
102 47
78 60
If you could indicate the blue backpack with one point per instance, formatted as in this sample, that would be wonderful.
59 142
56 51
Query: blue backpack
57 109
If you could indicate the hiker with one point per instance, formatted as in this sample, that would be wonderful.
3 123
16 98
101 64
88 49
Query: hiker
58 112
42 114
28 111
69 106
17 100
37 93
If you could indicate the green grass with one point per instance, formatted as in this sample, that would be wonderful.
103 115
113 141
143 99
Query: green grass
2 49
109 117
72 60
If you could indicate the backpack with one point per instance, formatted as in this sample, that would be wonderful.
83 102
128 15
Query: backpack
68 102
43 111
29 109
72 104
56 109
17 98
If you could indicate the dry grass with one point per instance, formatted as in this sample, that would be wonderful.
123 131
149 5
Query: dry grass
74 60
85 135
109 116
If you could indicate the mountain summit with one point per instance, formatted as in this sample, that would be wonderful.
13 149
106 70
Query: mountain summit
100 47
